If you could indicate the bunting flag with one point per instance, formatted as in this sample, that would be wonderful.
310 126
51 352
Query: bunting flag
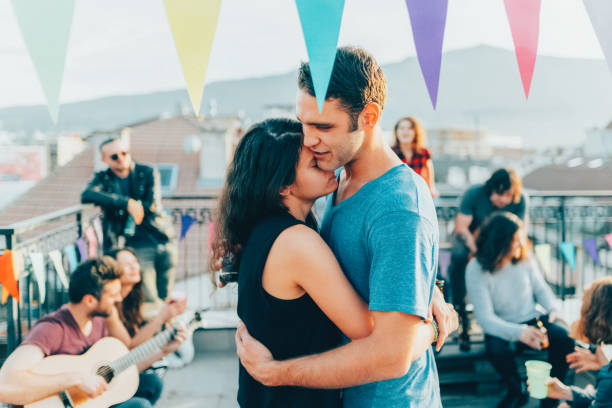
186 223
97 225
542 253
600 12
38 267
80 244
428 20
524 18
45 26
92 242
17 269
193 24
569 253
609 240
8 276
56 258
444 258
211 234
590 244
321 21
71 256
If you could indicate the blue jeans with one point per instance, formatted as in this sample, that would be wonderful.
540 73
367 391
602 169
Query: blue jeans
149 391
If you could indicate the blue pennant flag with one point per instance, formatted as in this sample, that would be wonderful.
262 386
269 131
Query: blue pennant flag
569 252
321 20
186 223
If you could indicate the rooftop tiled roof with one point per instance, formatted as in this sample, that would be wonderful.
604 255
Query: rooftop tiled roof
155 141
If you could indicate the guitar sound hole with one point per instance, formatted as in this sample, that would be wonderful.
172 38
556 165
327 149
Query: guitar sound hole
106 372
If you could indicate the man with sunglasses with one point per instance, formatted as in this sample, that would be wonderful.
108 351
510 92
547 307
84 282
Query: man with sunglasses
129 195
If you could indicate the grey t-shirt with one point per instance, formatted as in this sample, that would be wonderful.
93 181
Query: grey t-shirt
476 203
385 237
505 299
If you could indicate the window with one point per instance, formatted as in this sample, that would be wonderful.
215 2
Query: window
168 173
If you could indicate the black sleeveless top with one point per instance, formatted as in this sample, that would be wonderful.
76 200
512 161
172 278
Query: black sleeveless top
288 328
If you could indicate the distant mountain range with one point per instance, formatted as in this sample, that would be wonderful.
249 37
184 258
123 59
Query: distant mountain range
479 88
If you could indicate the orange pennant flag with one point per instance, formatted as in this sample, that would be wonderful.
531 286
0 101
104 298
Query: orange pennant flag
7 276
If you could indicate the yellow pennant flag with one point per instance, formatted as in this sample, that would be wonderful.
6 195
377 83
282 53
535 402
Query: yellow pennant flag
542 253
193 24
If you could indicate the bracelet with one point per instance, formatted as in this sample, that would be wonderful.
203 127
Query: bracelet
435 329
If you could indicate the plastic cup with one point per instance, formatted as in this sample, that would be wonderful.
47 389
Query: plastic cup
538 372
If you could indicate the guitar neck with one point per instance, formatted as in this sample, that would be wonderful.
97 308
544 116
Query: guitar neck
143 351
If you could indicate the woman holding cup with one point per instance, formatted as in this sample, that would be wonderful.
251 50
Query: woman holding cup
508 292
596 325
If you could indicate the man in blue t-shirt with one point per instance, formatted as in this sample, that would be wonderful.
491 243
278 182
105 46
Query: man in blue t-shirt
381 225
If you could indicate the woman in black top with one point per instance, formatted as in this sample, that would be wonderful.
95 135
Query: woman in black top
292 294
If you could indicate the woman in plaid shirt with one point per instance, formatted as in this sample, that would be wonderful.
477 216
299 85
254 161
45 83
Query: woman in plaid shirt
409 145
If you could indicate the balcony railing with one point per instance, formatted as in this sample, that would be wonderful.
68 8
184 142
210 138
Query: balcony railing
553 218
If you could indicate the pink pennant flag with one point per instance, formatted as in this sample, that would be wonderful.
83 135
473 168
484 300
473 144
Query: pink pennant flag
524 18
609 239
92 242
211 234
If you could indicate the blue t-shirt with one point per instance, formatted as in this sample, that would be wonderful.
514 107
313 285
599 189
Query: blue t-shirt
385 237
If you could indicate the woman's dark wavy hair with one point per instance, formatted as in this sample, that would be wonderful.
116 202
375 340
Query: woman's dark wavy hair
495 240
131 315
264 163
596 312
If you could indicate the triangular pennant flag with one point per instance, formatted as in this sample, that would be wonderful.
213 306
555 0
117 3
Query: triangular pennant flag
18 263
444 258
92 243
8 279
569 253
40 273
4 295
590 244
609 240
211 234
80 244
186 223
321 20
600 12
524 18
542 253
193 24
45 26
97 224
428 20
71 255
56 258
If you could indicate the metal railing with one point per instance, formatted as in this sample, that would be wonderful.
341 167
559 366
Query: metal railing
553 218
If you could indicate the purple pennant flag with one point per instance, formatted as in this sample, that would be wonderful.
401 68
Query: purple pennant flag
591 246
428 19
444 258
80 243
186 223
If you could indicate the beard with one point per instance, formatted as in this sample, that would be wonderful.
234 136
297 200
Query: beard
99 313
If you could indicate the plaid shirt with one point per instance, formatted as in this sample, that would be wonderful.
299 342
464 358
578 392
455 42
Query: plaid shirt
419 160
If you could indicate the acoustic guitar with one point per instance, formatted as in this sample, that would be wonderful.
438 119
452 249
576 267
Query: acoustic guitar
110 359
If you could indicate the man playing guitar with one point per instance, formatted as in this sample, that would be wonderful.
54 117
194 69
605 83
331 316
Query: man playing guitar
93 291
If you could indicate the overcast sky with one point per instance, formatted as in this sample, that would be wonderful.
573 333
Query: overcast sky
125 47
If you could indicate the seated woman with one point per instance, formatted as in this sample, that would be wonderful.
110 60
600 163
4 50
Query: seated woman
126 323
596 325
506 286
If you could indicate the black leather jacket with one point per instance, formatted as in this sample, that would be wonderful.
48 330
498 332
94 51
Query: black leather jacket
105 191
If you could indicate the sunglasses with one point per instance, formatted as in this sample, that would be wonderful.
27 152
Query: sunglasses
115 157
